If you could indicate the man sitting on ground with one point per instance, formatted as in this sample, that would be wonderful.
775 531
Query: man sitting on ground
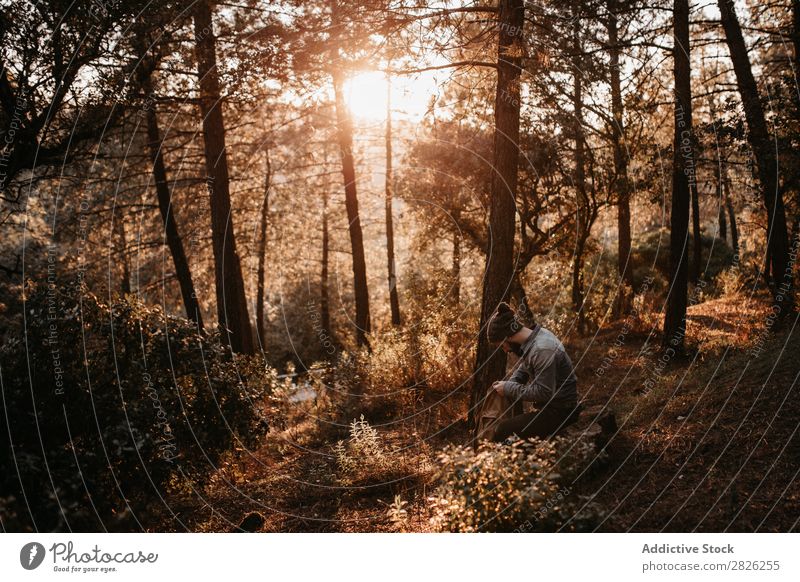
545 376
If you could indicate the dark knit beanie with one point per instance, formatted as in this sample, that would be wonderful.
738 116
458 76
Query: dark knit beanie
502 324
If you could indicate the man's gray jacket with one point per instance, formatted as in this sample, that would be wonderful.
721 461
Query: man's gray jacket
545 373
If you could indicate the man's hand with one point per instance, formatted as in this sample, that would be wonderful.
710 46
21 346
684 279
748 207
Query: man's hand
498 387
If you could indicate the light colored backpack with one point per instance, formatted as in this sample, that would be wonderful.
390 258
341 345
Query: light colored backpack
493 410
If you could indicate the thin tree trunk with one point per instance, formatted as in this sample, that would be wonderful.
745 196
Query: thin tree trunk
394 299
345 137
720 194
262 251
726 184
732 220
694 191
766 160
622 186
796 35
675 319
767 267
577 284
171 234
796 71
490 362
232 314
324 304
697 244
582 200
122 252
456 268
344 133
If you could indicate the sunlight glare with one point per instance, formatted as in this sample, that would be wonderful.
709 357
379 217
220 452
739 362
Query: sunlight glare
366 95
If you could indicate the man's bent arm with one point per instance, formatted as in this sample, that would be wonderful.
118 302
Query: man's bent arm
543 385
520 375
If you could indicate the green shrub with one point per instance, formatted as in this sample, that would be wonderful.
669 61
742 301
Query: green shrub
527 486
433 350
604 299
431 354
365 460
730 282
112 405
362 454
397 513
652 248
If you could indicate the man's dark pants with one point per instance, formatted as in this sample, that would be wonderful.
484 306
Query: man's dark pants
542 423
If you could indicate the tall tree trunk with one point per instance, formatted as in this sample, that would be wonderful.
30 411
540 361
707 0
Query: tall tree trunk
796 71
622 185
490 362
675 319
582 200
394 299
262 251
345 136
122 252
697 243
720 194
171 234
726 184
577 283
324 303
344 133
766 160
456 267
232 314
796 35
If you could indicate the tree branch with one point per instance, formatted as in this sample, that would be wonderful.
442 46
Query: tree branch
440 67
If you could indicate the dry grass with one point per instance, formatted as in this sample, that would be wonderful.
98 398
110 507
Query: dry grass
710 447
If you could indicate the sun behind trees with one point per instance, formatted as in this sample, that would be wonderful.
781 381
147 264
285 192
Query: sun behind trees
291 222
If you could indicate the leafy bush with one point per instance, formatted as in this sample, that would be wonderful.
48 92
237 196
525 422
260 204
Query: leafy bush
362 454
365 460
604 299
652 248
397 513
112 405
294 332
431 354
522 487
433 351
730 281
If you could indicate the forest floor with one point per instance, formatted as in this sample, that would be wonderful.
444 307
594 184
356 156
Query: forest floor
708 442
